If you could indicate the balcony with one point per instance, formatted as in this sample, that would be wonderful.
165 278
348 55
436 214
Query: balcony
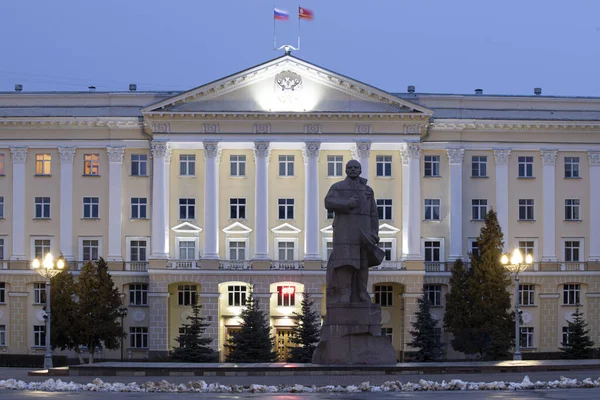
573 266
435 266
183 264
390 265
136 266
287 265
235 264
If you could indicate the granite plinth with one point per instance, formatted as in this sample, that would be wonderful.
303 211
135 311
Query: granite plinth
351 334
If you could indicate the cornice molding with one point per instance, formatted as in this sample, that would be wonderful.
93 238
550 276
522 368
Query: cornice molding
515 125
166 115
71 122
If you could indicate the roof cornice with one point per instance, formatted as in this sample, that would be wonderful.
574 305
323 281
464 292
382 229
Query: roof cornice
71 122
513 125
162 115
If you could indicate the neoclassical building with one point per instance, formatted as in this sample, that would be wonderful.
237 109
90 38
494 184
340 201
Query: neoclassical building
218 191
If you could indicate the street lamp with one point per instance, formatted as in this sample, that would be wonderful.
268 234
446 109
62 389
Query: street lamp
122 313
516 266
48 268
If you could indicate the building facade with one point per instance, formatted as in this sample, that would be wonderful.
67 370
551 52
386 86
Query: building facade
218 191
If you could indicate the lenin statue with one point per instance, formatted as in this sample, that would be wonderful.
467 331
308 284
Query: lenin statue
351 332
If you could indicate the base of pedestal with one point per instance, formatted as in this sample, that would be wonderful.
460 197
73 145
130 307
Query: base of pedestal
351 334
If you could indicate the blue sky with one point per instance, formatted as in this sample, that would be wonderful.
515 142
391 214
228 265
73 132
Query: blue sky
441 46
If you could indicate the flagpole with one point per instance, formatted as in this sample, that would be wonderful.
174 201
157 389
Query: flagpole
298 28
274 37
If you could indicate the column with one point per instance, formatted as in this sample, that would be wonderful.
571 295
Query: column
167 193
455 159
594 246
361 152
159 238
411 201
19 156
549 212
311 200
212 154
115 202
66 154
501 156
261 210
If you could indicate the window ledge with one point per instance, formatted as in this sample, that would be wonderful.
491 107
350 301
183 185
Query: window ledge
573 305
238 176
286 176
526 220
237 219
138 305
477 220
333 177
138 348
42 175
480 177
573 220
525 177
186 220
436 306
384 177
138 219
42 219
91 176
527 305
90 219
138 176
432 176
573 177
187 176
436 221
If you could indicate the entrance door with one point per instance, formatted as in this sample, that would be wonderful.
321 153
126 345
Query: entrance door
228 332
284 343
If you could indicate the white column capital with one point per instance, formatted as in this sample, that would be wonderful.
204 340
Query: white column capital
212 149
311 150
159 149
455 156
66 154
115 154
548 157
411 150
361 149
501 156
19 155
262 149
594 158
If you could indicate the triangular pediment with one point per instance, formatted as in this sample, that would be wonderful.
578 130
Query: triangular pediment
238 228
286 84
386 229
186 227
285 229
328 229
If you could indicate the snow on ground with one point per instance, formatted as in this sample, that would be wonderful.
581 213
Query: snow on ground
97 385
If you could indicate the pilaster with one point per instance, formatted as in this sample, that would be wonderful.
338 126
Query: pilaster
159 230
594 160
158 306
19 156
549 211
261 211
411 201
311 203
66 155
115 195
212 156
455 159
502 156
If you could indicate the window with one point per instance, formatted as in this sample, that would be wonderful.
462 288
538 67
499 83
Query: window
335 165
42 207
526 209
237 165
479 166
138 337
236 295
432 251
527 295
186 295
237 251
571 294
1 164
384 295
1 251
387 332
39 335
187 165
525 167
286 208
2 335
286 251
91 164
90 250
139 208
286 165
387 248
2 292
329 249
479 209
526 338
434 294
39 293
91 207
237 208
384 165
1 207
432 209
527 247
572 250
187 250
187 208
42 164
138 294
571 167
474 247
286 296
330 214
137 250
566 332
432 165
139 164
384 208
572 210
41 248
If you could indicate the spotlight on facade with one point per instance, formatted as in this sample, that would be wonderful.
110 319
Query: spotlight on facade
537 91
18 87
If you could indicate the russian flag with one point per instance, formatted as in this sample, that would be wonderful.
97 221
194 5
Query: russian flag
281 14
305 13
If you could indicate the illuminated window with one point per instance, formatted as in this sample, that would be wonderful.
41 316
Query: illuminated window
42 164
91 164
236 295
1 164
286 296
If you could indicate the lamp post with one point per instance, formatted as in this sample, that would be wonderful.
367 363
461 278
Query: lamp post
516 266
122 313
48 268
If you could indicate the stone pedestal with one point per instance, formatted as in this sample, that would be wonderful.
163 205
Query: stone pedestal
351 334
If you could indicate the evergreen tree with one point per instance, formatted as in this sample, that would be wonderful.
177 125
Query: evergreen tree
98 308
193 347
305 335
579 345
425 337
253 343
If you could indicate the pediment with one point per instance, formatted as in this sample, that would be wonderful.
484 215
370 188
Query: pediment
386 229
186 227
327 230
237 228
285 229
285 84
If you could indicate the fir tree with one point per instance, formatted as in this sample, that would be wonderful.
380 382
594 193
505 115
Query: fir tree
425 337
253 343
193 347
579 345
305 335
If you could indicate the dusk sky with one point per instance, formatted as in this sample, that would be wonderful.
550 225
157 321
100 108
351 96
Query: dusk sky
440 46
